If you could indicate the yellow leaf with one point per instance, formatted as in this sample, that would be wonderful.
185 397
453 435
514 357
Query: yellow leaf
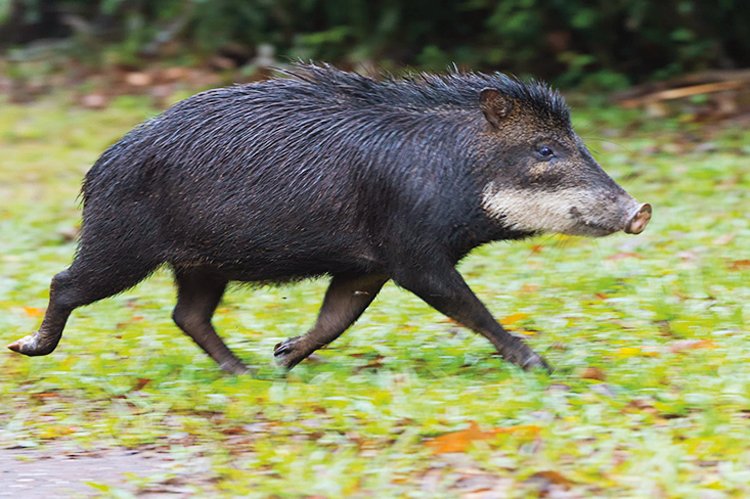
513 318
55 431
626 352
33 311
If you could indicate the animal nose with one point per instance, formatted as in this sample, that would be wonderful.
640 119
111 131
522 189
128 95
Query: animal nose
639 219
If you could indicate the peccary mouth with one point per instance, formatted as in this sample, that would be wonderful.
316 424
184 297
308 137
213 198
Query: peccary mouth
585 227
634 223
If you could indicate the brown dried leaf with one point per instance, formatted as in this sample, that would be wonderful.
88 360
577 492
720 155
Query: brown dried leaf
640 405
548 479
375 363
593 373
140 383
44 395
234 430
739 264
682 345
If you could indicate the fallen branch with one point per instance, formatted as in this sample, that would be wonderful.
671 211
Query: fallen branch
682 92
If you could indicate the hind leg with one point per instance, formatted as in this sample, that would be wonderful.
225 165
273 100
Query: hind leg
347 297
199 291
89 278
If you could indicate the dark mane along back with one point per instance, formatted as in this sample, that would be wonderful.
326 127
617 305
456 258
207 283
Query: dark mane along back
425 90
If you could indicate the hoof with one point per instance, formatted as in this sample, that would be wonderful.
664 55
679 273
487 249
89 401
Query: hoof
284 353
520 354
32 346
536 362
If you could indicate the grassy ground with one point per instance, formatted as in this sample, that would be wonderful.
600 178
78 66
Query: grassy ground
651 396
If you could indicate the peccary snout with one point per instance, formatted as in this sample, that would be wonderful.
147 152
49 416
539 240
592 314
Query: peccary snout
638 221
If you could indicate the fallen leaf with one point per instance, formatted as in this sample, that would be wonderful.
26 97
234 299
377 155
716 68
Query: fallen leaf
739 265
44 395
55 431
593 373
640 405
234 430
459 441
33 311
627 352
375 363
513 318
549 479
682 345
477 485
140 383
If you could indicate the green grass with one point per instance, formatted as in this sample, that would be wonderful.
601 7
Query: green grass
661 317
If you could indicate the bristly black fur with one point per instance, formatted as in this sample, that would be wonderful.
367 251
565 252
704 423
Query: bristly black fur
230 175
425 90
327 172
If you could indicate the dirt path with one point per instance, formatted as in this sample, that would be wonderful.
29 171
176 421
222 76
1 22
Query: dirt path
32 473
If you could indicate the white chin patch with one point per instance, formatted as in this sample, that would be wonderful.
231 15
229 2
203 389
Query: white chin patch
532 211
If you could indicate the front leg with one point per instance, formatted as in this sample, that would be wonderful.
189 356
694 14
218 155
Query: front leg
445 290
347 297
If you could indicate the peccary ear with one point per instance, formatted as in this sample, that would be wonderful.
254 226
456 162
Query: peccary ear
494 105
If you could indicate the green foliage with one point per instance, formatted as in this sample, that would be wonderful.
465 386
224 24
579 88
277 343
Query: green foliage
601 43
662 317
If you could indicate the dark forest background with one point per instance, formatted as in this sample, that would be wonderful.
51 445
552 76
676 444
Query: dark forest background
599 43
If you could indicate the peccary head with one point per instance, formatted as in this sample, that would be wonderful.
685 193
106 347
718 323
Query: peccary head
538 175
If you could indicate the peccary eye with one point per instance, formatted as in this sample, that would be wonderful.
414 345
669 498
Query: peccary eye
545 152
